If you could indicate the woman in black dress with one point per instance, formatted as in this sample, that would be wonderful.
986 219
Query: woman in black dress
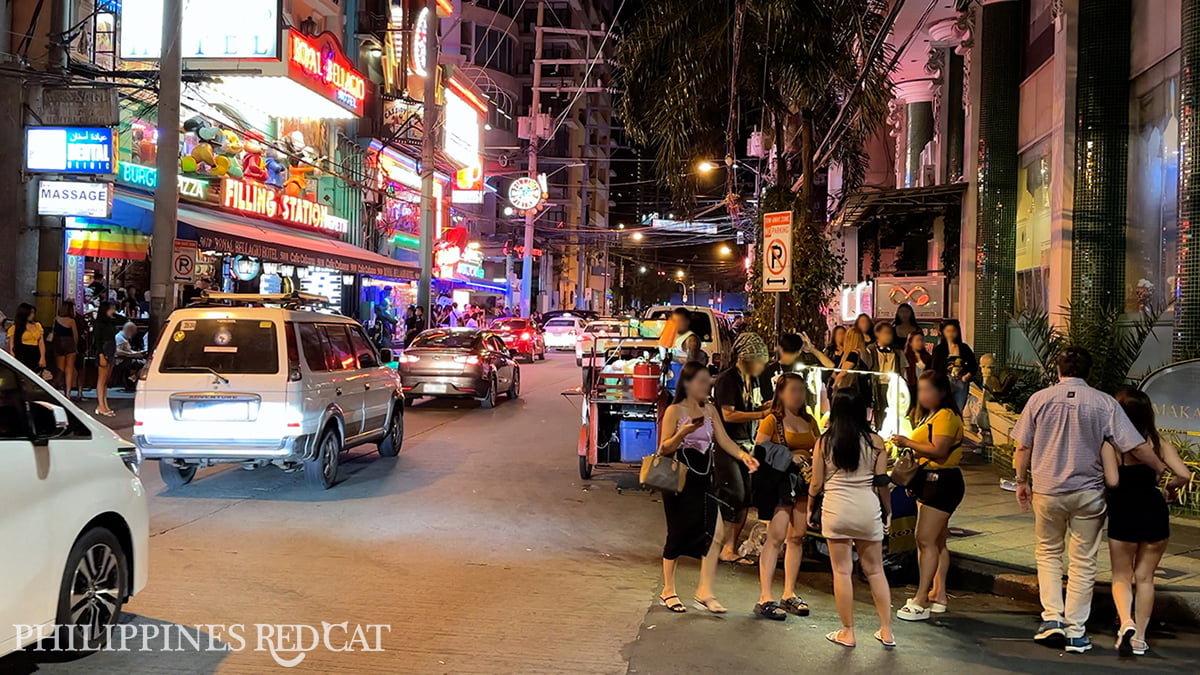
691 431
954 357
1138 522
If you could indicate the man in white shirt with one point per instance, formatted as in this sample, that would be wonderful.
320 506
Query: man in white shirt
130 360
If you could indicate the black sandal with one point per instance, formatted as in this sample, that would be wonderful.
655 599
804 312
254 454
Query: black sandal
795 605
677 607
770 610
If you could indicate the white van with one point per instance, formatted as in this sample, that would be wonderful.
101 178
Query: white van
74 530
262 380
714 328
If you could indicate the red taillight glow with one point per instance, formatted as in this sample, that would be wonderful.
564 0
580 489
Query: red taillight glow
408 358
526 335
470 360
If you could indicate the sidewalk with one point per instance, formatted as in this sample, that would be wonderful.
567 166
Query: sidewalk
992 542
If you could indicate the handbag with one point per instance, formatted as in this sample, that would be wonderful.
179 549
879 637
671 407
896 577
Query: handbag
906 471
665 474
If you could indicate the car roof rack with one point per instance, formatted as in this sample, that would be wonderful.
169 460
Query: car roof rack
285 300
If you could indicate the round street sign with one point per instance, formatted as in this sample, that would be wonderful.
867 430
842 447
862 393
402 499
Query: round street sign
776 256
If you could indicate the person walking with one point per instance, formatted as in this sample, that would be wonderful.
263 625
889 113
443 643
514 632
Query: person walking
849 462
66 343
1059 438
787 434
937 443
27 338
691 432
104 337
738 395
1139 522
906 322
954 357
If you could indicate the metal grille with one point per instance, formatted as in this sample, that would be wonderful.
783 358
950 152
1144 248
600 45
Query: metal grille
1187 304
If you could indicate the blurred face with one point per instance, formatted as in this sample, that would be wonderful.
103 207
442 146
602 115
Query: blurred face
787 358
928 395
863 324
885 336
680 322
906 314
951 333
794 395
918 342
753 367
839 337
110 310
129 331
700 386
32 315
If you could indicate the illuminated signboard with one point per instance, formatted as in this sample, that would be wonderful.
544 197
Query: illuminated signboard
420 44
82 150
212 29
260 200
464 113
67 198
468 185
319 64
453 261
147 177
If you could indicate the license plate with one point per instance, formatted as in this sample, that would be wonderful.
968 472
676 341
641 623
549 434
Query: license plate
437 388
216 410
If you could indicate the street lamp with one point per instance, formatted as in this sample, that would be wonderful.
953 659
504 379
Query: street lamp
725 250
705 166
679 274
642 269
638 236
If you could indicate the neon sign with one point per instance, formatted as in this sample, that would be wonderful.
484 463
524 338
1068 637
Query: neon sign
320 64
147 177
260 200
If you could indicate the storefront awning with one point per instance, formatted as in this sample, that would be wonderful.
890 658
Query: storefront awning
861 206
228 233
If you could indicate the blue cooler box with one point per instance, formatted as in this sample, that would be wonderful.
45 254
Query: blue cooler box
638 439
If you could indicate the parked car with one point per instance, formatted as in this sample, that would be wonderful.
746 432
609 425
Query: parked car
260 380
74 524
460 363
714 328
561 333
521 336
585 314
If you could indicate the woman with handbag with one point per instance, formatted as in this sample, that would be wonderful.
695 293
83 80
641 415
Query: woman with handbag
849 463
939 486
781 497
690 433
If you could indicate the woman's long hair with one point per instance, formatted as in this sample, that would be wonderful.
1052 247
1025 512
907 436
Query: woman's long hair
911 316
24 312
847 431
941 382
777 408
67 309
690 370
946 324
913 355
855 342
1138 407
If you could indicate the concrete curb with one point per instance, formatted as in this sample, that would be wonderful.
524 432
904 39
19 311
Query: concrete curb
1178 606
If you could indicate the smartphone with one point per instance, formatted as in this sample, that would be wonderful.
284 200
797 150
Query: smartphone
696 420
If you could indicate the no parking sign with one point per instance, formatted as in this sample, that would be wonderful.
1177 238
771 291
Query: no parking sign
183 261
777 252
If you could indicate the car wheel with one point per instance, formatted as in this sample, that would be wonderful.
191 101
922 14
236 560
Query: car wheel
543 354
585 469
489 401
321 471
92 591
176 476
394 438
515 390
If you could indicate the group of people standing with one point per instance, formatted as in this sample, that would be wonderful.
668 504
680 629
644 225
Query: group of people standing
750 439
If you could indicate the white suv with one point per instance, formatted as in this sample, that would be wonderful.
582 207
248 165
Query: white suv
262 380
74 530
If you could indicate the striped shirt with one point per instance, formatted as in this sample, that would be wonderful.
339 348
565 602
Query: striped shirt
1064 427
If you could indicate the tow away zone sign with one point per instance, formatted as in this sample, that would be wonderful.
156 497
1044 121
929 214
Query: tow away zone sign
777 252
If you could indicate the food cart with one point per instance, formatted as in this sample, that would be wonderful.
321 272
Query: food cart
620 400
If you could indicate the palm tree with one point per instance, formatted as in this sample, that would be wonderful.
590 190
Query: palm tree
698 74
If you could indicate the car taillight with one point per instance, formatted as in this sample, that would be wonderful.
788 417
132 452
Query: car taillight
526 336
408 358
469 359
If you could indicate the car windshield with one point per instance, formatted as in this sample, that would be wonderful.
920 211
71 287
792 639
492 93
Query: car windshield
699 324
227 346
560 323
511 324
445 339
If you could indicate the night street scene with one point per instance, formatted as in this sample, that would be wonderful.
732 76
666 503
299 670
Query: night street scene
599 336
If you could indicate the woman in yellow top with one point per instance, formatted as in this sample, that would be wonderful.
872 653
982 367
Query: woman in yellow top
780 500
27 338
937 442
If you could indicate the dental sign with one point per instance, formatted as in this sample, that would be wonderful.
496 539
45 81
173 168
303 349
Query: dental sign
62 198
212 29
78 150
319 64
260 200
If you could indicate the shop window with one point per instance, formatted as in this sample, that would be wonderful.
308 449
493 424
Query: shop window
1033 229
96 41
494 49
1152 232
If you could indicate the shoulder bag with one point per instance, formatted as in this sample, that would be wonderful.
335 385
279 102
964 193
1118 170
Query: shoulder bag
665 474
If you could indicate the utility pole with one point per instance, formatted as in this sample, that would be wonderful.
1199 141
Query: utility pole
534 139
429 123
166 192
50 230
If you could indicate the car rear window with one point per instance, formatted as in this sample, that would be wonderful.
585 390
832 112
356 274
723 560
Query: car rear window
511 324
560 322
445 339
228 346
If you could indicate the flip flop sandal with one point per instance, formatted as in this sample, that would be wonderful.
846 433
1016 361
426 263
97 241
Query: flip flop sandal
886 643
833 637
1140 647
937 608
795 605
710 605
677 607
1125 641
770 610
912 612
740 561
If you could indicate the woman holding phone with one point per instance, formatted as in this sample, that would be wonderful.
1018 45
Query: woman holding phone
691 431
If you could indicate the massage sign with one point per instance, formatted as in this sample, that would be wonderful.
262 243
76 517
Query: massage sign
320 65
260 200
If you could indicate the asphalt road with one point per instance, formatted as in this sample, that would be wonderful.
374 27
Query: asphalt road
482 552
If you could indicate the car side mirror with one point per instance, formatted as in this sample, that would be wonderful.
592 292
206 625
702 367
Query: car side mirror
386 355
49 420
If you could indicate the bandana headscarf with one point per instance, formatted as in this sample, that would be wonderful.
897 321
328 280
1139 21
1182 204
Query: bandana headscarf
750 346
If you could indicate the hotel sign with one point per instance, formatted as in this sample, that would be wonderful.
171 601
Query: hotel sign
212 29
319 64
259 200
